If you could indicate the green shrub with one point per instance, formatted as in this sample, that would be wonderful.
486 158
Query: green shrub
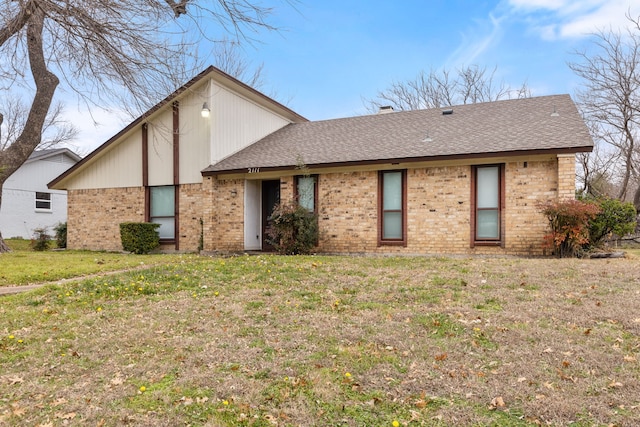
569 221
139 237
616 218
61 235
41 239
293 229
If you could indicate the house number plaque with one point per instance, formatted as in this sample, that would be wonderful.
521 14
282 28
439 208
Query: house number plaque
254 170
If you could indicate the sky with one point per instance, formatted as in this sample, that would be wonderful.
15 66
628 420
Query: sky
329 55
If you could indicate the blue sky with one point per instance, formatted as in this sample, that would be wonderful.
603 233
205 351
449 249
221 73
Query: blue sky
331 54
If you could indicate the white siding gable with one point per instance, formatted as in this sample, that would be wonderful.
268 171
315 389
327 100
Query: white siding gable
237 122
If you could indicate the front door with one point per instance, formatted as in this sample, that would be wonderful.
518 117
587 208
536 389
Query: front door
270 198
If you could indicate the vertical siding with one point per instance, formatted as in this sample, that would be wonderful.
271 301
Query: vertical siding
161 149
118 167
194 138
237 122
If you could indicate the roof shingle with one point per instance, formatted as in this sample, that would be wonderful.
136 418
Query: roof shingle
510 126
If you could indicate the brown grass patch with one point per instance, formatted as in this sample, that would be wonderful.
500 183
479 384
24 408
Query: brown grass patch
270 340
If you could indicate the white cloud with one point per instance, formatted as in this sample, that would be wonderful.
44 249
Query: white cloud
553 19
475 44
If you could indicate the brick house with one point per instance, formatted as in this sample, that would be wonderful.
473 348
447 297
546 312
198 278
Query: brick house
462 180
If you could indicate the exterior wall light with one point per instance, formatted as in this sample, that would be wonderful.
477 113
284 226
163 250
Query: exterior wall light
205 110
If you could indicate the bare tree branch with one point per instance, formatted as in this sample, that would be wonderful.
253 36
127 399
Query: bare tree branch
610 100
469 85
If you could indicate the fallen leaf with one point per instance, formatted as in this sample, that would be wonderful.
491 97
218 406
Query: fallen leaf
629 359
15 380
59 402
615 384
497 402
118 380
67 416
521 379
17 410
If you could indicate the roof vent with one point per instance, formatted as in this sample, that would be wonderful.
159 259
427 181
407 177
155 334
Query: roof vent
447 112
385 109
555 112
427 138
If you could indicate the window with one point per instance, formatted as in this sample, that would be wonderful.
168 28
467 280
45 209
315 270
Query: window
162 210
488 202
306 191
43 201
392 207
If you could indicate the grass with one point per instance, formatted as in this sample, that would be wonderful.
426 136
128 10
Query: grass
23 266
359 341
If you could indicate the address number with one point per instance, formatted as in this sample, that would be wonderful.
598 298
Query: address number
254 170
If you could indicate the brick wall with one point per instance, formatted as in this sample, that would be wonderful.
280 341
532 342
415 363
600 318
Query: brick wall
347 212
566 176
224 222
94 216
526 185
191 211
438 211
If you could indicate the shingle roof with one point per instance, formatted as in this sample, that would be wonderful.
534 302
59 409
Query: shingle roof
493 128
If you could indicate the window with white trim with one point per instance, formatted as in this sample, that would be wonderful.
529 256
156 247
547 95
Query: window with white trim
43 201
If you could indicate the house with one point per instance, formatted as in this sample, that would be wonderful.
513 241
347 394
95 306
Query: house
27 203
461 180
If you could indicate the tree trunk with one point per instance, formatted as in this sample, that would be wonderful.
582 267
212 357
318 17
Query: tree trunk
3 246
46 83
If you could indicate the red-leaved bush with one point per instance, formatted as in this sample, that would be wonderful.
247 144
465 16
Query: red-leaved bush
569 220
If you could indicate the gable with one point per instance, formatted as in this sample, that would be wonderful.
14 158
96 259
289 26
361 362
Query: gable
240 115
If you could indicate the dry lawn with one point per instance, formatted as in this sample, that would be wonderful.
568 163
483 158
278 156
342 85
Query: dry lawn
327 341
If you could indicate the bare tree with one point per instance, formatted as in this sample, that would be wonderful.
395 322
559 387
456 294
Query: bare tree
610 102
437 89
229 59
104 50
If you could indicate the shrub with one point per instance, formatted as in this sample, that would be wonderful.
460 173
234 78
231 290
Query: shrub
41 239
293 229
139 237
615 218
569 220
61 235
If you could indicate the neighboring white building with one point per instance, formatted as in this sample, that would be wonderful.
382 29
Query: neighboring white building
27 203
